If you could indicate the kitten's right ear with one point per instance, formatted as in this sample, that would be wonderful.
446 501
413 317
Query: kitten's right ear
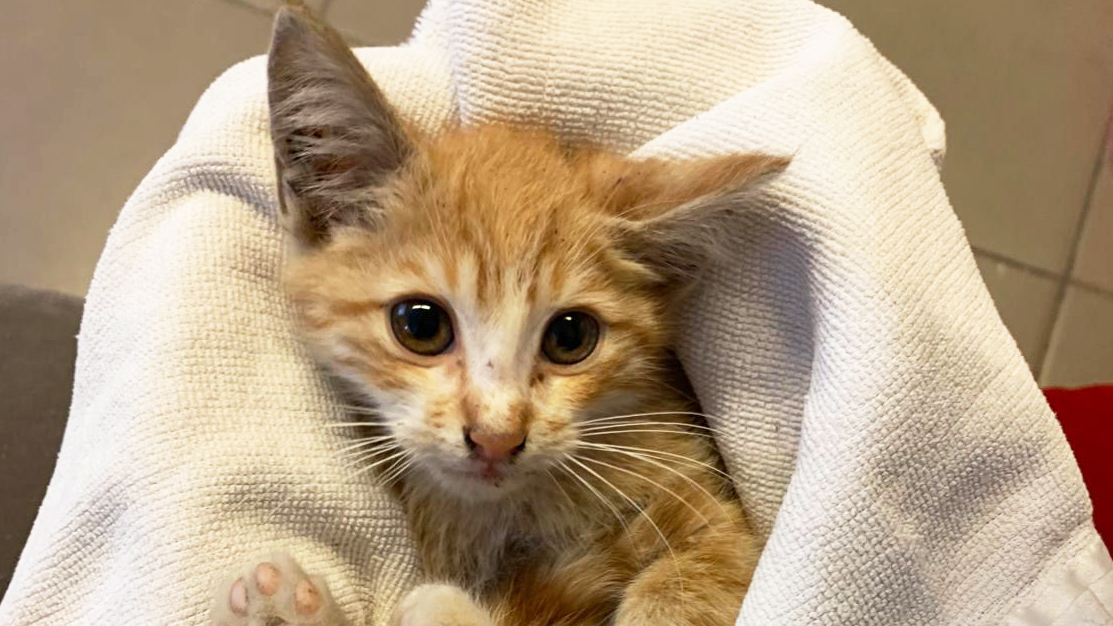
336 139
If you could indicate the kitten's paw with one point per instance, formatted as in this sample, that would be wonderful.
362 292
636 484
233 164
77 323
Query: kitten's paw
274 591
439 605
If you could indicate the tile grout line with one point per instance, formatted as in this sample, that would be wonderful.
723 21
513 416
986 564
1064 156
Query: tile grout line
1076 240
1018 264
1092 288
1037 271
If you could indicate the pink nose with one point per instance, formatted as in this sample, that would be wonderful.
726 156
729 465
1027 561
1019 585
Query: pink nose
495 446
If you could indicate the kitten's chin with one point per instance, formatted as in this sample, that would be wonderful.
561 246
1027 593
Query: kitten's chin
475 485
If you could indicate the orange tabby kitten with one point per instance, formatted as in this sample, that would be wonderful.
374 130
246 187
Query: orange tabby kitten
502 303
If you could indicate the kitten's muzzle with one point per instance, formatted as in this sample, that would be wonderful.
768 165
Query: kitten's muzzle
493 447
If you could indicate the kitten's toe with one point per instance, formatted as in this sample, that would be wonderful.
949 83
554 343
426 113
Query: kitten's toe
439 605
274 591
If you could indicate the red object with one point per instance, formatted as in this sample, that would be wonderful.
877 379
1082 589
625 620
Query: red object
1086 415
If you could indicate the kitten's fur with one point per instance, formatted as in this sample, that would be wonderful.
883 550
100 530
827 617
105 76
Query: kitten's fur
625 521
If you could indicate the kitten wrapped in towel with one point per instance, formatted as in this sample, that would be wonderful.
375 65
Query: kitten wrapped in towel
500 307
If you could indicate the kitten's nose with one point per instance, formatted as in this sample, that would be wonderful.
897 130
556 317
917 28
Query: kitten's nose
495 446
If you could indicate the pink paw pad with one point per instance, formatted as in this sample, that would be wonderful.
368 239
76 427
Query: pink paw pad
267 579
306 598
275 591
237 598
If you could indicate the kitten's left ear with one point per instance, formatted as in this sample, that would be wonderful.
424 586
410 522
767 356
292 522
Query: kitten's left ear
671 216
336 139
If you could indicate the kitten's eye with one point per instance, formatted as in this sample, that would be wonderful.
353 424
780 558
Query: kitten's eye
422 326
570 337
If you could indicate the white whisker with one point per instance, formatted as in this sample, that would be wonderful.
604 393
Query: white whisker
664 456
607 503
647 459
365 451
641 511
623 431
677 424
360 410
398 469
365 469
365 442
691 506
609 418
357 460
561 488
350 424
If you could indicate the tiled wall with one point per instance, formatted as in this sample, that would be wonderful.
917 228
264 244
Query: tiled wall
96 92
1026 89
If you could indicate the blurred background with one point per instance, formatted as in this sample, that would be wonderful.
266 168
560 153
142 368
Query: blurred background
96 91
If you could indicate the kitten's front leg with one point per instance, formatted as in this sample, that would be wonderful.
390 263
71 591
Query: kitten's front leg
440 605
274 590
701 583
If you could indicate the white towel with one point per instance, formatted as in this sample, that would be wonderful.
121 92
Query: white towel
878 418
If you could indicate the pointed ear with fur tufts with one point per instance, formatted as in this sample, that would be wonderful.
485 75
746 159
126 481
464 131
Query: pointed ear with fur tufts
672 217
336 139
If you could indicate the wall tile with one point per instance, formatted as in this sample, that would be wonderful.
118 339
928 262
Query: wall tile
375 23
94 97
1081 349
1025 87
1094 263
1025 301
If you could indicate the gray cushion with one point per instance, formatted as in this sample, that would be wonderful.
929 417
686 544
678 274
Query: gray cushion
38 344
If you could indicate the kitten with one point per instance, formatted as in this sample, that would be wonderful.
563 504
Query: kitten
504 303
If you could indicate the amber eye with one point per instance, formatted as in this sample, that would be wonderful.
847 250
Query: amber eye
422 326
570 337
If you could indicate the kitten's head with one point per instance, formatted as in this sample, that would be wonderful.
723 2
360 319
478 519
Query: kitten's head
487 289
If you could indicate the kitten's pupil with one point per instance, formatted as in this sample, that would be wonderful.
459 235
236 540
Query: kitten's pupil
422 321
570 337
422 326
567 334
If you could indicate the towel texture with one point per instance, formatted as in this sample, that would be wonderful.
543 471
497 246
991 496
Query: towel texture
880 422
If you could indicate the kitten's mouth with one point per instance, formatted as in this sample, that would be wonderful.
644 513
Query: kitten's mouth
476 480
492 474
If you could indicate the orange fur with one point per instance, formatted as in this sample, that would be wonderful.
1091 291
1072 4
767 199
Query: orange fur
599 519
500 226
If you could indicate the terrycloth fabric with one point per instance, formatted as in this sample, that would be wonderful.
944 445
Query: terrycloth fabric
880 422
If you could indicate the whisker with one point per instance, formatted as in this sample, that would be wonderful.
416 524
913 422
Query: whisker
366 441
398 469
365 469
360 410
355 406
678 424
361 452
357 460
350 424
607 503
609 418
641 511
368 448
683 501
648 459
661 454
561 488
621 431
